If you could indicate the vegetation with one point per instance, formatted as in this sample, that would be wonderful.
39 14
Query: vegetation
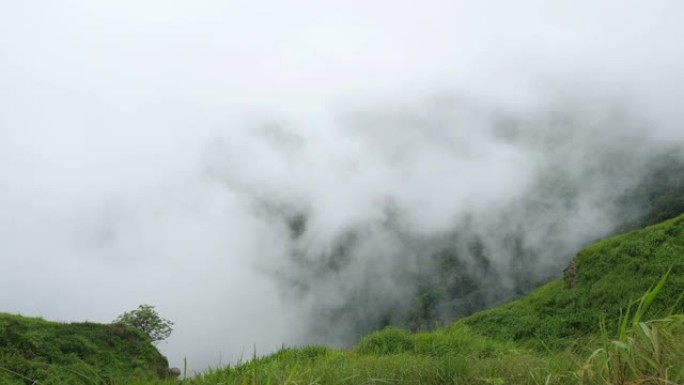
608 275
33 350
616 318
596 326
484 260
148 321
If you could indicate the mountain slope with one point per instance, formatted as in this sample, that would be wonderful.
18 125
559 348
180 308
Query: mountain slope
32 349
552 336
601 281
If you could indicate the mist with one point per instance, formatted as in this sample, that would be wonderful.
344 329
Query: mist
269 174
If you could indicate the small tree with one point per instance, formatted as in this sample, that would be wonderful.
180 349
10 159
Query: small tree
147 320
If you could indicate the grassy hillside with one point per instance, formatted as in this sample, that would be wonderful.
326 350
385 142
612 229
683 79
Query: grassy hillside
616 317
607 276
35 350
585 328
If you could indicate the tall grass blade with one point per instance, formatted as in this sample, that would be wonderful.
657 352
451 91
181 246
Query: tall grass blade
648 298
19 375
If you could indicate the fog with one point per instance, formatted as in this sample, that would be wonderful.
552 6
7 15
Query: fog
270 173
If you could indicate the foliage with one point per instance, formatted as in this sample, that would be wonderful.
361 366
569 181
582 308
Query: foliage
639 352
650 352
557 335
609 275
602 331
44 352
456 340
148 321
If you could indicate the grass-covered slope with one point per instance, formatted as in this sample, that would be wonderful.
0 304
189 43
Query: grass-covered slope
601 282
553 336
32 349
566 332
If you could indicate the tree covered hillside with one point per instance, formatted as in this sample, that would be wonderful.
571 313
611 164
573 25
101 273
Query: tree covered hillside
384 275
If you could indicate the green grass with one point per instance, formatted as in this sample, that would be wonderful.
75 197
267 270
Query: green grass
32 349
621 322
610 274
592 333
343 367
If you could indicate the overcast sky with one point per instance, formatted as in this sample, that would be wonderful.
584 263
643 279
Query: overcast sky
140 139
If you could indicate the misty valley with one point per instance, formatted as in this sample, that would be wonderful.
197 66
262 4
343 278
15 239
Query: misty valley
407 306
336 192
